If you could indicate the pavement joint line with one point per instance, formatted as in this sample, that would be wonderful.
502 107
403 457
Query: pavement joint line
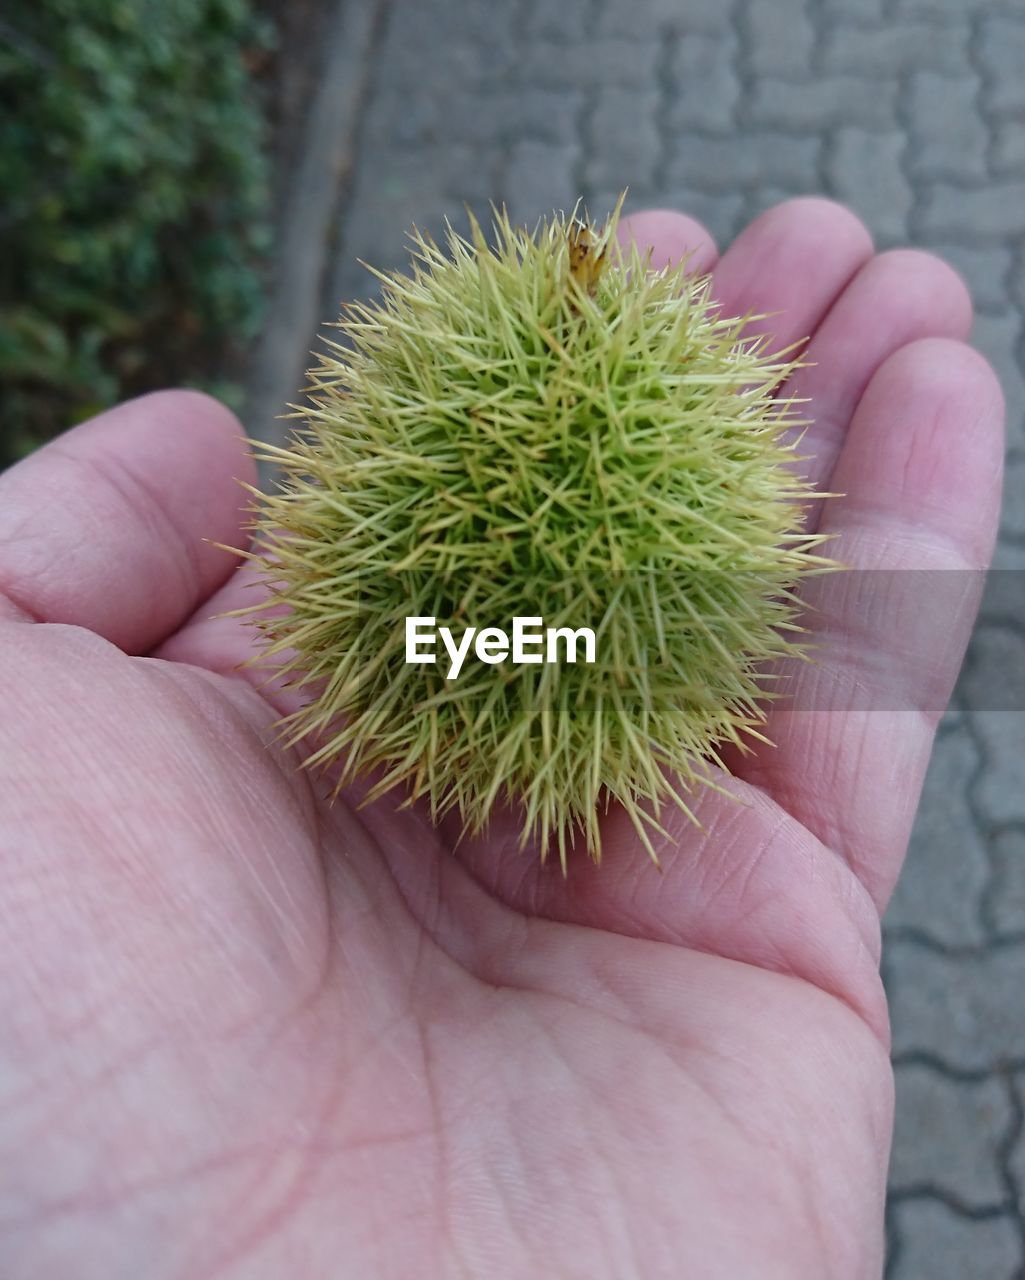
986 915
995 941
924 1058
1005 1149
931 1191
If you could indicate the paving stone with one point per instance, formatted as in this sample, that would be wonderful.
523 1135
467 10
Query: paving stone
624 142
1018 278
1013 515
946 873
745 160
828 101
703 84
400 189
543 114
864 170
489 120
780 37
567 21
998 337
490 29
1008 154
723 215
430 114
994 688
688 15
431 98
1002 56
539 177
996 679
965 1010
863 12
591 64
406 187
948 138
1007 890
626 20
993 211
930 10
1001 618
608 18
938 1244
947 1136
468 44
1009 556
885 49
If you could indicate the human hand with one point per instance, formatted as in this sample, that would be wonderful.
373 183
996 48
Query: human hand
247 1033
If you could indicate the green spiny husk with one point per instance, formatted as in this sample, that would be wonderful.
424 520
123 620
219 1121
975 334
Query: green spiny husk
503 434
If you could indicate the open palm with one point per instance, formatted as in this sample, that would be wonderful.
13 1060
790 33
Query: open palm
246 1033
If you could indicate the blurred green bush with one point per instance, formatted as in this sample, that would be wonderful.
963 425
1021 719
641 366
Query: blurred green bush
134 200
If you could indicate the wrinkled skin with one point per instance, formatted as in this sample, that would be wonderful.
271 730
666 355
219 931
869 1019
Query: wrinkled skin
247 1034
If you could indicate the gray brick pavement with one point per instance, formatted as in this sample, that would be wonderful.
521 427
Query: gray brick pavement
865 168
1005 902
932 1240
957 1008
941 898
942 1140
913 112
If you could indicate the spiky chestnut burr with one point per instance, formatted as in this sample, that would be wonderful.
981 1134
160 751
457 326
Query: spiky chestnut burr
545 427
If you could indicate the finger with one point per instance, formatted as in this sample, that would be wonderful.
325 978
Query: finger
790 264
213 637
670 236
920 470
218 640
896 298
105 527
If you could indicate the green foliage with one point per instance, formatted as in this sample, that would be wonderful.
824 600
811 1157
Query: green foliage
135 196
539 429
